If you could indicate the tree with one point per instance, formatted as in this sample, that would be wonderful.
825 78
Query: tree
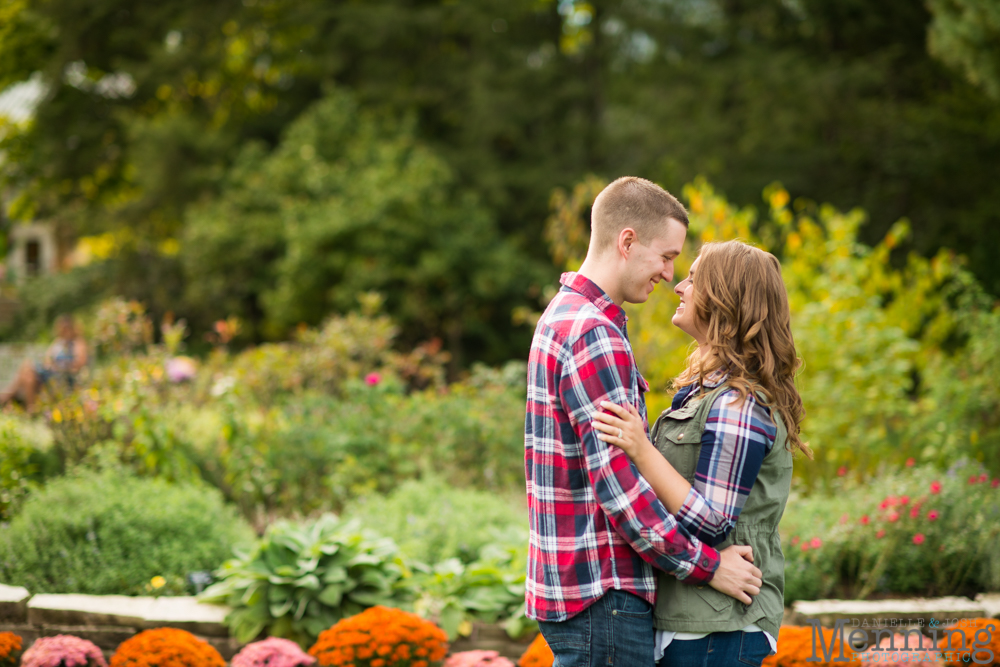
965 34
349 202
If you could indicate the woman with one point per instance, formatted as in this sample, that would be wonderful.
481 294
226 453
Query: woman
722 462
63 360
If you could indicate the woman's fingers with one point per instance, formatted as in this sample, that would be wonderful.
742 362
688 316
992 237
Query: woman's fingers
617 409
608 419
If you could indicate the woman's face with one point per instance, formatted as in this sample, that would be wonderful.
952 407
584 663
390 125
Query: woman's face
684 318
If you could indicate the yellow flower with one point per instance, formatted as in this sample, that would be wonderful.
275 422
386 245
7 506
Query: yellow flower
56 416
157 582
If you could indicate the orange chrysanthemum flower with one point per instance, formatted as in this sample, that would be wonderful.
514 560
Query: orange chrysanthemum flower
978 647
795 647
166 647
538 654
381 637
10 649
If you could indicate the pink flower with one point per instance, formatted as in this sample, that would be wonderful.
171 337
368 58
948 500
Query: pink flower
805 546
865 520
904 500
64 650
918 538
932 515
995 483
815 543
983 477
915 512
844 518
884 504
372 379
893 517
910 462
272 652
972 479
180 369
935 487
881 533
795 540
841 471
477 659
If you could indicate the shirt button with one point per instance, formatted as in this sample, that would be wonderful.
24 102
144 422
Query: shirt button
681 435
614 612
705 562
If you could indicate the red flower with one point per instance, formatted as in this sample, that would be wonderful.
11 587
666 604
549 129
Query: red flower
918 538
795 540
972 479
983 477
881 533
815 543
865 520
893 516
995 483
805 546
841 471
882 505
915 512
372 379
932 515
935 487
910 462
904 500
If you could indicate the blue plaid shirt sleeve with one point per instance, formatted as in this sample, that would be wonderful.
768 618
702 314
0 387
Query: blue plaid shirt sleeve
736 439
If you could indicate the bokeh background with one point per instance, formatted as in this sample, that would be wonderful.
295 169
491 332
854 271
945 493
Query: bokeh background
307 241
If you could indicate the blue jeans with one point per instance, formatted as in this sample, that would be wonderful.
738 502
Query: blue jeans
719 649
615 630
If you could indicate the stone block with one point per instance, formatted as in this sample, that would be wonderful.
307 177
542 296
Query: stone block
188 614
27 633
185 613
990 603
489 637
888 613
13 604
87 610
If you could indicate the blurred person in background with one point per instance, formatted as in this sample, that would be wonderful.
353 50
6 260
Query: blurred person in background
62 362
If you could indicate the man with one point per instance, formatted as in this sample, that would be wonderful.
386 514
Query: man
597 528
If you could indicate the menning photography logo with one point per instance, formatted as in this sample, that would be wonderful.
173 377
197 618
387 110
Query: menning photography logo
864 643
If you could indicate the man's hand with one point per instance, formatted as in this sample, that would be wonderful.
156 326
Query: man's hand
737 576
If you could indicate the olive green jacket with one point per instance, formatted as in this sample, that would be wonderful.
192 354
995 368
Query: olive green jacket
683 607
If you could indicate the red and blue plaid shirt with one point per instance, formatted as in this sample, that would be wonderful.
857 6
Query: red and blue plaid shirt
595 522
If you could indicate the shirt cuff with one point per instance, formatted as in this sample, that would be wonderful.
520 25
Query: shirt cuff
691 512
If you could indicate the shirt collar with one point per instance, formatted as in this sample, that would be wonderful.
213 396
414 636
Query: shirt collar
583 285
715 378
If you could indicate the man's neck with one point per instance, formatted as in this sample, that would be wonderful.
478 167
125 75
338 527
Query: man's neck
604 277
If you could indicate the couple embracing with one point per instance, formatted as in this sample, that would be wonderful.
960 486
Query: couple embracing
660 547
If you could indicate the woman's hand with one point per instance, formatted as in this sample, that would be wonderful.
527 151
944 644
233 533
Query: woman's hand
626 422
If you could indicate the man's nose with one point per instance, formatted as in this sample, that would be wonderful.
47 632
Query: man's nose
668 273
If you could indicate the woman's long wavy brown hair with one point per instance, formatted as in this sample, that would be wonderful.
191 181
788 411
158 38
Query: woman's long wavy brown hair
741 300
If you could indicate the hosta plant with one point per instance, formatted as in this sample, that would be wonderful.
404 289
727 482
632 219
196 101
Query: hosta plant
300 579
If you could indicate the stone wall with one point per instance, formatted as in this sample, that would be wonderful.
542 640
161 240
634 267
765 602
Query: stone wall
108 620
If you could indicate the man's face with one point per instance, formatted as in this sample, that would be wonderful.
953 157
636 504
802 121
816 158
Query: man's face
648 264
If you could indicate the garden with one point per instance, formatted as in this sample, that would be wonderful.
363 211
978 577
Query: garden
302 483
306 244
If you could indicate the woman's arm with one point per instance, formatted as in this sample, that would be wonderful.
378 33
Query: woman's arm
668 484
737 436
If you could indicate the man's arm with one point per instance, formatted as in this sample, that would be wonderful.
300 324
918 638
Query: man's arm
598 368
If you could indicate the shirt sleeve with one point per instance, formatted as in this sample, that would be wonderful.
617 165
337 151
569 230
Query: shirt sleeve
736 439
595 369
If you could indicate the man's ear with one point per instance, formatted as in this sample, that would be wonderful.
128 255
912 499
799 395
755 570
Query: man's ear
626 239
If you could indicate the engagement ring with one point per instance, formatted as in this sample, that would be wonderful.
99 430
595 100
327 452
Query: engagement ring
619 434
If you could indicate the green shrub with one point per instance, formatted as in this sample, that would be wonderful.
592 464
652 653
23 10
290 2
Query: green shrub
433 521
300 579
110 533
920 531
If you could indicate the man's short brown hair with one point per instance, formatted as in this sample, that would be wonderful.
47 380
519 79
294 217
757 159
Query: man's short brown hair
633 202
